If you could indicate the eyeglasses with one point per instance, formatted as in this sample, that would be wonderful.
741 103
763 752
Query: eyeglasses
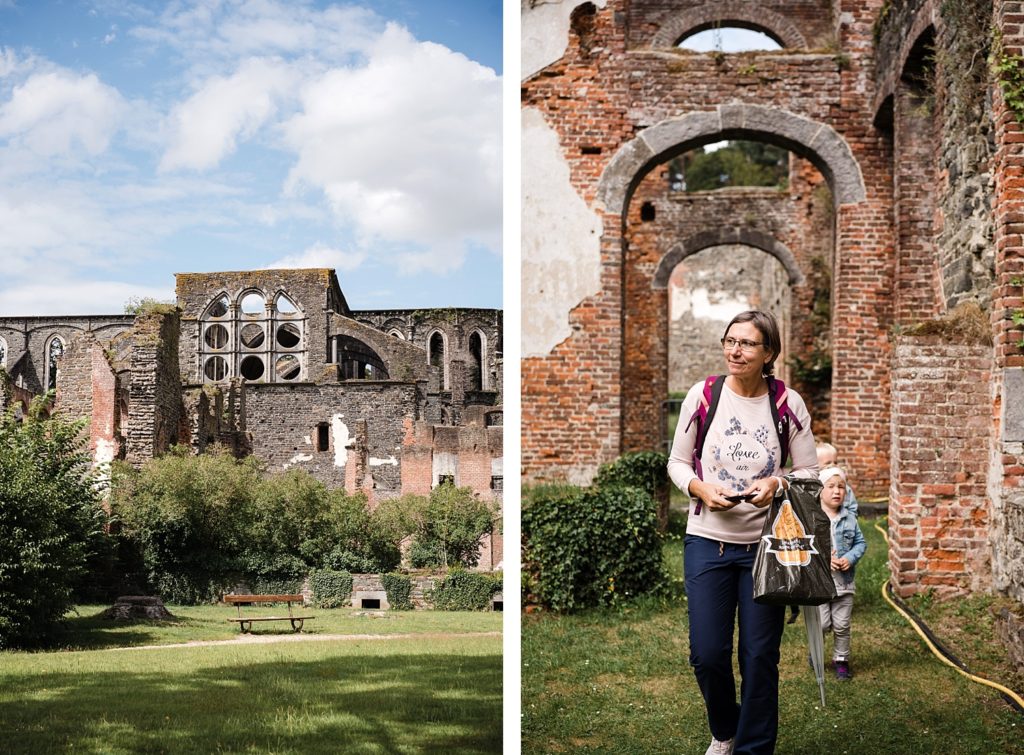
745 345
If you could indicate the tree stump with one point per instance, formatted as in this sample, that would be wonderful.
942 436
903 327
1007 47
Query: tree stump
131 607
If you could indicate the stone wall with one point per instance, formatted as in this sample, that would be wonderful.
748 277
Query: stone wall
87 388
939 512
27 338
156 419
284 420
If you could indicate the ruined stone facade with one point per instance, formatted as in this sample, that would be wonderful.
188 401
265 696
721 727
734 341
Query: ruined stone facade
273 363
906 199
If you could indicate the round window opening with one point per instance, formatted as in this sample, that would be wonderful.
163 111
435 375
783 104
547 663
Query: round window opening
253 304
288 335
252 368
216 336
216 368
287 367
252 336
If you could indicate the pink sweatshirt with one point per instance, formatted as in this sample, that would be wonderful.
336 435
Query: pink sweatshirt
741 446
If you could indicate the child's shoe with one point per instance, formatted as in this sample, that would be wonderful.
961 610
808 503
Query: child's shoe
843 672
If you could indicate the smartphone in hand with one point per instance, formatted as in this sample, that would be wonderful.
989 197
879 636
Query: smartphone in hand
739 497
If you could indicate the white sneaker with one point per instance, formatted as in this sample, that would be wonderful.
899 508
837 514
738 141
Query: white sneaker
720 748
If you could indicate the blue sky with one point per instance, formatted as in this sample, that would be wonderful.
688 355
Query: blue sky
141 139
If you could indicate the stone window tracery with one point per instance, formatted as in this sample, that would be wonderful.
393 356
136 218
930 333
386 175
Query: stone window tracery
436 355
54 351
249 339
477 361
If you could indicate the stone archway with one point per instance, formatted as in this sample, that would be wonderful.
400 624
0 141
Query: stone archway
817 142
724 237
645 357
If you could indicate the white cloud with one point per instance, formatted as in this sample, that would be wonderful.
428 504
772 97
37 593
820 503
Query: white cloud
407 148
207 126
320 255
76 297
53 112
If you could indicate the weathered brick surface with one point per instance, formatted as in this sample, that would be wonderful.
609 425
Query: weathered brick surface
157 417
87 388
609 98
939 511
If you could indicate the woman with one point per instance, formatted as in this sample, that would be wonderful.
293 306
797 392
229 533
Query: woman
740 457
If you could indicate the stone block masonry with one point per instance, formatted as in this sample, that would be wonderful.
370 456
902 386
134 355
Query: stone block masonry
157 418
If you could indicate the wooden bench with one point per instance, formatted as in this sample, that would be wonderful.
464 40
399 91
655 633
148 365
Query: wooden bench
245 622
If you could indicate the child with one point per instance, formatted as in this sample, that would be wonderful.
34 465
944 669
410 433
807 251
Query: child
847 548
828 457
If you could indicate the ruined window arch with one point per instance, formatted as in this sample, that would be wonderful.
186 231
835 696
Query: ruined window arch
729 38
477 377
359 361
676 27
3 353
397 333
54 351
437 348
251 340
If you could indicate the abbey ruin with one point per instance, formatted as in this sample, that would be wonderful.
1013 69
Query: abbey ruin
899 237
274 363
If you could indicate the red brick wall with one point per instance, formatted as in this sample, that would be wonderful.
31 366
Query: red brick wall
598 97
938 504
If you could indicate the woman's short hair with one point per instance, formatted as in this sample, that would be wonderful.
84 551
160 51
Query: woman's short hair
768 326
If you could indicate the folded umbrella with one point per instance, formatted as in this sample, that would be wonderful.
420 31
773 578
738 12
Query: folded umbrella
816 646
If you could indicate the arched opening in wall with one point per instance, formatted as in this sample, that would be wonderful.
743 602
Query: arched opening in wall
435 356
476 366
3 354
729 37
284 305
727 164
705 291
253 303
715 252
359 361
54 351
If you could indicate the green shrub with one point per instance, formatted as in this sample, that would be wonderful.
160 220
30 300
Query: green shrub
50 522
647 470
592 546
194 519
399 591
331 589
463 590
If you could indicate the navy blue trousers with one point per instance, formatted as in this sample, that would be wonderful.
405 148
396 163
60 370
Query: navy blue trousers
717 587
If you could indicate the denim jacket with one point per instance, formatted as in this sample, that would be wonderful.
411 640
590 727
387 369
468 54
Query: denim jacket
848 542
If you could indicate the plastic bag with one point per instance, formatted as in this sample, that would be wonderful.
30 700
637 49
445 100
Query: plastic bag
793 565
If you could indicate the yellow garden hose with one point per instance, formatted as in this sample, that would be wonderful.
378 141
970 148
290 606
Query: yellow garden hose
941 654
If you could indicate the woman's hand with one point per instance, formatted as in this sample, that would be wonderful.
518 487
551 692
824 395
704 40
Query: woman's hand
712 495
763 491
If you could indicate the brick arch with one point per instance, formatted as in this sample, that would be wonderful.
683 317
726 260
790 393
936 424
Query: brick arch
817 142
723 237
744 15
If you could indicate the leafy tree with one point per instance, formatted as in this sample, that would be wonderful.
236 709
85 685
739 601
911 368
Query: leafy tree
740 163
51 519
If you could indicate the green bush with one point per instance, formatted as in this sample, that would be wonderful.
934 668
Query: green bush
399 591
51 521
590 546
463 590
647 470
331 589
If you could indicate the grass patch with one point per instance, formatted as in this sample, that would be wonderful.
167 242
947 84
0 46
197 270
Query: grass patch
620 681
85 630
433 694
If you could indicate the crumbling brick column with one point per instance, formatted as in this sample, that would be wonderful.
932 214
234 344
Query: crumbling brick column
938 503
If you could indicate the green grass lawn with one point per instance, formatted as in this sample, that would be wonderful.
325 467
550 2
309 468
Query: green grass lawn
619 681
433 694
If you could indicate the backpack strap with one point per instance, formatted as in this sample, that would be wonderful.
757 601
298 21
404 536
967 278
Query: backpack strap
704 413
782 415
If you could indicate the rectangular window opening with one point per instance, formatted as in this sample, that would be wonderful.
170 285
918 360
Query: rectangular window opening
323 437
370 603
